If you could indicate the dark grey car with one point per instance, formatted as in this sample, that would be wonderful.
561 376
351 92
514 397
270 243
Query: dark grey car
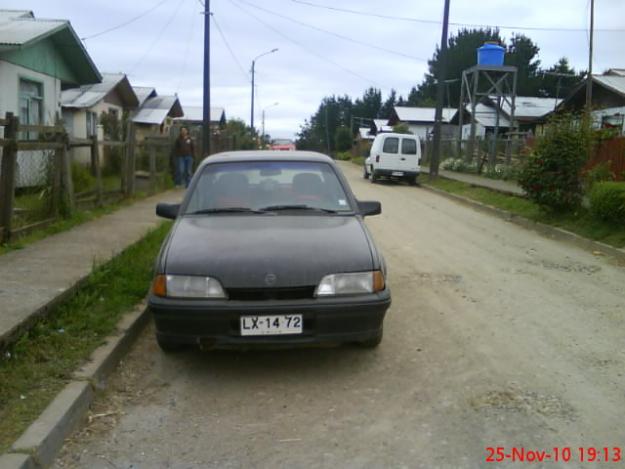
269 248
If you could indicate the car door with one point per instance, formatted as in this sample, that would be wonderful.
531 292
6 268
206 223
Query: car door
389 155
409 154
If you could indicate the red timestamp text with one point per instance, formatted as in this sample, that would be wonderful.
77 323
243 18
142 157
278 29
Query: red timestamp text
590 454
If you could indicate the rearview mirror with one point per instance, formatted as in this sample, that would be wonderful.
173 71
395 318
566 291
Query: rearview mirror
169 211
369 207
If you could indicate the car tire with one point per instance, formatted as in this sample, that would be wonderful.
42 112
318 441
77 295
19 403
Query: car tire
168 346
365 173
373 342
412 180
373 177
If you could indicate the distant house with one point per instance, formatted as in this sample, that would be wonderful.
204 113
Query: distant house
420 120
84 106
364 133
485 120
379 126
156 113
38 58
608 99
194 116
531 113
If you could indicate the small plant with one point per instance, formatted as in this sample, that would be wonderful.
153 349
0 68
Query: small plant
343 156
552 175
82 178
607 201
599 173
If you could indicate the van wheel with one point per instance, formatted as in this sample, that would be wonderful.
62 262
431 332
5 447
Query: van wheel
412 180
365 173
373 177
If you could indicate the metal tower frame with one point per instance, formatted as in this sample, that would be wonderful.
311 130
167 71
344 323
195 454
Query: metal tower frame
479 82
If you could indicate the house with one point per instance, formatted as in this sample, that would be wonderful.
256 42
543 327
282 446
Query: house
83 108
194 116
379 126
420 120
530 113
485 120
156 114
608 99
364 133
38 58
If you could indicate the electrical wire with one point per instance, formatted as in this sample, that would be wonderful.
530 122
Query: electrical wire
232 54
158 37
187 48
125 23
332 33
302 46
437 22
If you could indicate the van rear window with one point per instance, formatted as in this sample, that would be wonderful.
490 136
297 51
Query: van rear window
391 145
409 146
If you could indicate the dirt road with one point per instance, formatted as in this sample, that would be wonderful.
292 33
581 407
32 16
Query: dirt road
496 337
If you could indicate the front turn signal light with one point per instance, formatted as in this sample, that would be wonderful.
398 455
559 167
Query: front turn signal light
159 286
378 281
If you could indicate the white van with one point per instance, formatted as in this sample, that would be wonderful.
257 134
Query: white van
394 156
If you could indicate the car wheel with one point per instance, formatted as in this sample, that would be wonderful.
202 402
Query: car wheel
168 346
373 342
365 173
412 180
373 177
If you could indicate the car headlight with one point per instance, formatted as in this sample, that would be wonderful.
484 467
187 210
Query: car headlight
187 286
351 284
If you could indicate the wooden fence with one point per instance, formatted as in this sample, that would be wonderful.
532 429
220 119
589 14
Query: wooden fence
51 193
612 152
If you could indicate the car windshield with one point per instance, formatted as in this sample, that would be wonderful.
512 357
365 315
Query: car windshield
272 186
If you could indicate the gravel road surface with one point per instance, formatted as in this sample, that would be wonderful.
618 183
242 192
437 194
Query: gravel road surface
497 337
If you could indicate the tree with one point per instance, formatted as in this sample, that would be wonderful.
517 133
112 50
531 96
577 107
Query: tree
522 54
389 104
343 139
240 134
401 129
549 84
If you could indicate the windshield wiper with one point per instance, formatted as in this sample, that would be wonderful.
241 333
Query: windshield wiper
276 208
208 211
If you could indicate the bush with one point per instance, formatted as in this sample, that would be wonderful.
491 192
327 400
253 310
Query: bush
343 156
552 175
607 201
343 139
82 178
599 173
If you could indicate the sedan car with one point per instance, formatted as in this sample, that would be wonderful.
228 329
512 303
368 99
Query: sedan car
269 249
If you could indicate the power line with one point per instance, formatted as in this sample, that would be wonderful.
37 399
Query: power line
186 49
302 46
332 33
158 37
437 22
125 23
232 54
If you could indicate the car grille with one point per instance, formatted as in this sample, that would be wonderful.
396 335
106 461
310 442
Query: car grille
255 294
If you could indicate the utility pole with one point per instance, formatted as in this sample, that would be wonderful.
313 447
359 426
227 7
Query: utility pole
253 84
589 77
440 96
206 117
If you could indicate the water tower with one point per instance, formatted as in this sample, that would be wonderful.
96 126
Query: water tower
490 80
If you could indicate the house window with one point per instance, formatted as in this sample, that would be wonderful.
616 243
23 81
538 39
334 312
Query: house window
92 121
31 105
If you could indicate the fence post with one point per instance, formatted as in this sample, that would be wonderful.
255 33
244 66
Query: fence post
95 161
153 167
67 185
7 176
130 160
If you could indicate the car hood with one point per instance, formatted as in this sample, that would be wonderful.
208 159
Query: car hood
251 251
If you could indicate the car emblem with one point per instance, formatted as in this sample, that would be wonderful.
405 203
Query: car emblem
270 280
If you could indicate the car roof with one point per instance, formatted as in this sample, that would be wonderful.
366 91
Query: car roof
393 134
265 155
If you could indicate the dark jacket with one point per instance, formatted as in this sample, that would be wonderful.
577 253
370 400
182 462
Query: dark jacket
184 146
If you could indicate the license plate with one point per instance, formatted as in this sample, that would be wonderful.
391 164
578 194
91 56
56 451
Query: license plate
272 325
397 173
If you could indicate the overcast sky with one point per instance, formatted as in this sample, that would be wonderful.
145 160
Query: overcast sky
164 48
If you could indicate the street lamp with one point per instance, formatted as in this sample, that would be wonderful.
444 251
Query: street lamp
253 72
262 136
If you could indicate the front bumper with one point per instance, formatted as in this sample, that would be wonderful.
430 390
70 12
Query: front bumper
216 323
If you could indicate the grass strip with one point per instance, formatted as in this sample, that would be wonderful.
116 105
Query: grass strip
580 222
41 362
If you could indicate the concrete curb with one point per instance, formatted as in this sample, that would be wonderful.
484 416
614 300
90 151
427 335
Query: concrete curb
545 230
39 445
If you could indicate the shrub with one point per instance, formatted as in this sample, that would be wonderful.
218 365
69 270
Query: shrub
607 201
343 139
552 175
599 173
82 178
401 129
343 155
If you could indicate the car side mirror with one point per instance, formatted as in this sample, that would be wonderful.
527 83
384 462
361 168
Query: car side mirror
369 207
167 210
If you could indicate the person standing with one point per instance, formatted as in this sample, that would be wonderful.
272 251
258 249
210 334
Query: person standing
184 151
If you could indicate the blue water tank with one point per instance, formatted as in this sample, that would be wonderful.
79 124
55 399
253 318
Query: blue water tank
490 54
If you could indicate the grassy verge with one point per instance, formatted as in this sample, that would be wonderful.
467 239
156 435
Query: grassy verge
40 363
580 222
64 224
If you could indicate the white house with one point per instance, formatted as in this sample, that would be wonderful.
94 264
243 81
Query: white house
420 120
38 57
84 106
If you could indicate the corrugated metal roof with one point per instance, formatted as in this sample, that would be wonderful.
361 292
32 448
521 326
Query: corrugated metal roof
487 116
365 133
196 113
156 109
615 82
529 107
422 114
143 93
11 14
20 31
382 125
89 95
616 71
